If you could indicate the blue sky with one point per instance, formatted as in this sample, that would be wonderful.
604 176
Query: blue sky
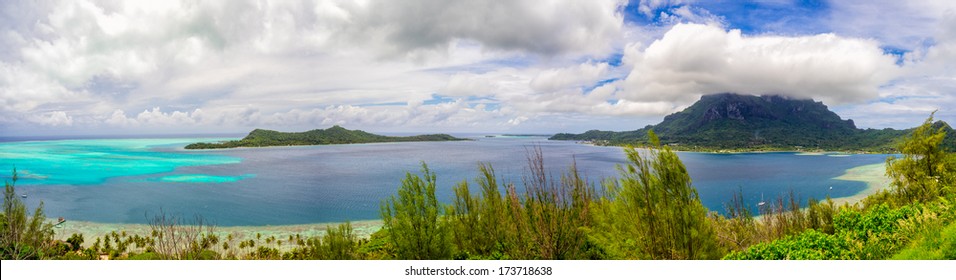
153 67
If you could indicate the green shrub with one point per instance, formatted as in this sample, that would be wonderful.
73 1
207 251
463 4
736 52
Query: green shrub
809 245
145 256
413 219
926 171
874 233
23 236
934 244
339 243
656 211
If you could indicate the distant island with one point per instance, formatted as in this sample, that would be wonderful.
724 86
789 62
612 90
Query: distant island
332 135
521 135
734 122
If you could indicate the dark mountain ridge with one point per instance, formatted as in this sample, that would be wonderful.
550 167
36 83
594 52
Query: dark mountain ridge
734 121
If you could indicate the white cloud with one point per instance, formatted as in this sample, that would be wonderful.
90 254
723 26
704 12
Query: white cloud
456 115
561 78
692 59
118 118
900 24
586 26
56 118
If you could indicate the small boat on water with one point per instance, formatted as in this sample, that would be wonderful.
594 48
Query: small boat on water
23 195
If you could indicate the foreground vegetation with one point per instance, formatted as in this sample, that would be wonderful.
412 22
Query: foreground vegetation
651 211
332 135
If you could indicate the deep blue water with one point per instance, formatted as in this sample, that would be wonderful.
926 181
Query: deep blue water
123 180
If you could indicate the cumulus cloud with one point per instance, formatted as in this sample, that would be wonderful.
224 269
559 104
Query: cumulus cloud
581 75
454 114
546 27
56 118
692 59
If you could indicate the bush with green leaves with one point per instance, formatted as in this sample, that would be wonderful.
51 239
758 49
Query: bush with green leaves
926 170
656 212
808 245
23 236
549 221
934 243
338 243
413 219
879 232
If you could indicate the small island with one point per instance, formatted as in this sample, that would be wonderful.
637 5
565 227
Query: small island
332 135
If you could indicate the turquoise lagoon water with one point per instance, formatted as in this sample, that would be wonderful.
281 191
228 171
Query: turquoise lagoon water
86 162
126 180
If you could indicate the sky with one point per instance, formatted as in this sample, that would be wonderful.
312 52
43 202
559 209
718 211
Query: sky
81 67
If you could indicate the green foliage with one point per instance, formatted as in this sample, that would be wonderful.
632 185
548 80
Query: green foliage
785 217
549 221
205 254
738 229
657 213
925 171
413 219
820 215
22 236
479 223
75 241
809 245
333 135
932 244
145 256
874 233
265 253
339 243
377 246
172 237
554 211
879 232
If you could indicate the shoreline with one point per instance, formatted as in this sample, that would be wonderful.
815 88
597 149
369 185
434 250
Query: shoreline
679 148
873 175
93 230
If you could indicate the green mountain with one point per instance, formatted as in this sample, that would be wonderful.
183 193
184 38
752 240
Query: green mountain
332 135
733 121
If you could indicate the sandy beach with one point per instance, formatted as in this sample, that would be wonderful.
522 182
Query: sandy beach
92 230
874 175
